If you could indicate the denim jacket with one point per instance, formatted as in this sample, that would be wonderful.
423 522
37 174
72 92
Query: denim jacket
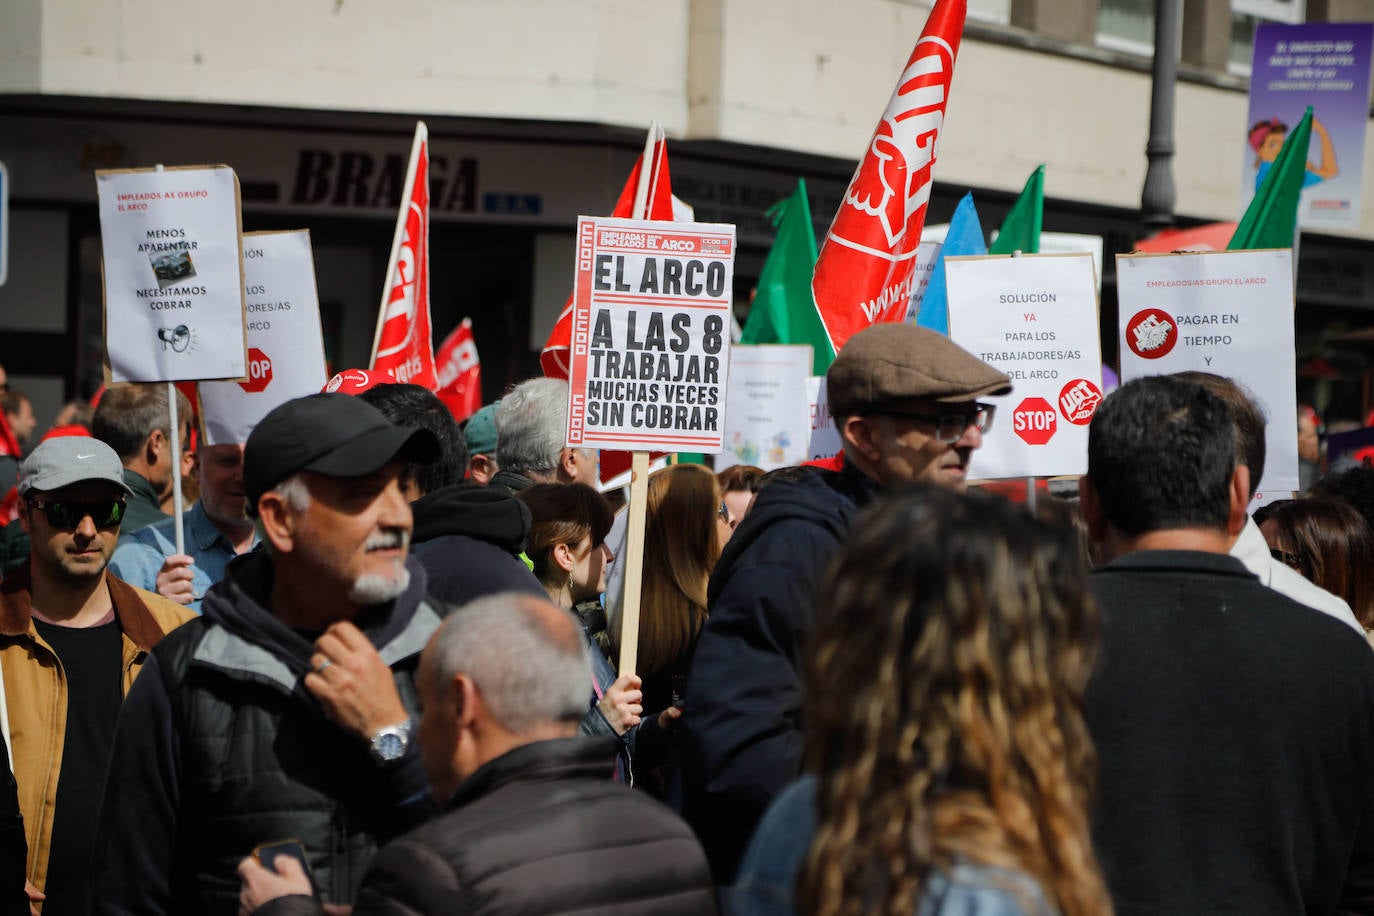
768 876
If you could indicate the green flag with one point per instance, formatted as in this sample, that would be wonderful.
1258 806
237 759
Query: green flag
784 310
1021 229
1272 216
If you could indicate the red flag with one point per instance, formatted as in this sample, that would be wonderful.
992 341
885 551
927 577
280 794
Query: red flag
460 372
404 346
648 194
867 263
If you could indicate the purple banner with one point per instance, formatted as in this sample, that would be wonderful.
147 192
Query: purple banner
1325 65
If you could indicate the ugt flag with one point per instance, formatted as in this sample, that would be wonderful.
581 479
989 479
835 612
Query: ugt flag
460 372
648 194
404 344
867 263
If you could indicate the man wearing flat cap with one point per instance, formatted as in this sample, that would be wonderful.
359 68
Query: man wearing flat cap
72 639
285 710
905 400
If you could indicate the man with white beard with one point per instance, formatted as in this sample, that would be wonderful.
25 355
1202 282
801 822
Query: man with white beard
285 710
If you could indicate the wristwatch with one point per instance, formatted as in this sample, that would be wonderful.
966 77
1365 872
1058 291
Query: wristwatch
389 744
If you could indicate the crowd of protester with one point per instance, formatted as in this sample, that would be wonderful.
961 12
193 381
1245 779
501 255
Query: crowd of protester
383 673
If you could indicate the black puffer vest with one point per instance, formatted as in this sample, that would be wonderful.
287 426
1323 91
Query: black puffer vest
261 763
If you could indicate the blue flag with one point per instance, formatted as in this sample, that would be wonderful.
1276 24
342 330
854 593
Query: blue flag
965 237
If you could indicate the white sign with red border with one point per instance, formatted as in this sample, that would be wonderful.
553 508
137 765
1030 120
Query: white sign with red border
173 274
651 335
1035 318
1225 312
285 344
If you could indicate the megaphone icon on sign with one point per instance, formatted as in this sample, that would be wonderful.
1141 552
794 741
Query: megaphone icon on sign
178 338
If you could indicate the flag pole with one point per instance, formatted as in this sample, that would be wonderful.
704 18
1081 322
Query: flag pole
403 210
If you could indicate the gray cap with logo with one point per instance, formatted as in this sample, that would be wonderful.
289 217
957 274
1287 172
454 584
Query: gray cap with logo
66 460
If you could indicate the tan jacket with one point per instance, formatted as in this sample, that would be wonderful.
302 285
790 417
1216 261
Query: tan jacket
36 694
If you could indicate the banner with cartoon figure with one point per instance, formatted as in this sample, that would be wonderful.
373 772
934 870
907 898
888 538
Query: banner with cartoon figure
1225 312
173 274
1325 65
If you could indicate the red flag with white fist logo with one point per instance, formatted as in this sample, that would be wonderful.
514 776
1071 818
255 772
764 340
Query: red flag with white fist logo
404 343
867 263
460 372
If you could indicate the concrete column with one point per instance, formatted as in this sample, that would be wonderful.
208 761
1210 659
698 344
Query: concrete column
1206 34
1066 20
705 66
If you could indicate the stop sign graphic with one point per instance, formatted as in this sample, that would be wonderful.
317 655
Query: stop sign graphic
1034 421
259 371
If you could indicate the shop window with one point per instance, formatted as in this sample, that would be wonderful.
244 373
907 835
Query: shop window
995 11
1246 15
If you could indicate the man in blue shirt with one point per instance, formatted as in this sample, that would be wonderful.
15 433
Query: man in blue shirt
216 530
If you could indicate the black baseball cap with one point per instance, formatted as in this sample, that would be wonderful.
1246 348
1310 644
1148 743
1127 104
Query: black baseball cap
330 434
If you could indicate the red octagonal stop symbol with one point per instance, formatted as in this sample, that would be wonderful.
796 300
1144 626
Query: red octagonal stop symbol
259 371
1034 421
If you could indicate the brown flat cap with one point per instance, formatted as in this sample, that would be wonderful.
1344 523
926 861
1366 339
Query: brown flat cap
888 363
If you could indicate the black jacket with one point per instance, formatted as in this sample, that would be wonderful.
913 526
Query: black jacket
744 692
143 508
13 847
1235 735
469 539
220 748
538 830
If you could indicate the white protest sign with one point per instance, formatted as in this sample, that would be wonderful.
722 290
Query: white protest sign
285 344
825 438
768 413
1035 318
927 253
651 335
173 272
1074 243
1225 312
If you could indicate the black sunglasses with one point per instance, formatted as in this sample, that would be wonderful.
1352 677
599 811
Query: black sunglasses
67 514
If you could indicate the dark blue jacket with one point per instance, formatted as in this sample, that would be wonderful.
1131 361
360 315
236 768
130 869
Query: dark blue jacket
744 696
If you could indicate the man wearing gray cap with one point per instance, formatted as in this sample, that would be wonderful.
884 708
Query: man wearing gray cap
284 710
72 639
905 401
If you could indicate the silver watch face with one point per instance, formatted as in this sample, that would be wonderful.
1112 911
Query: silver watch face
389 745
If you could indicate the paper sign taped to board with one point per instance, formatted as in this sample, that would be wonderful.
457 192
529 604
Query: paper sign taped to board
1229 313
1035 318
173 274
651 335
768 413
285 343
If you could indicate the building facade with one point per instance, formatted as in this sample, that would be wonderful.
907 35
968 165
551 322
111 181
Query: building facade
536 110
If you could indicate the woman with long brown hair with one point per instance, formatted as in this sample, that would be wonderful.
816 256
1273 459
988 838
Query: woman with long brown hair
683 533
951 763
1329 544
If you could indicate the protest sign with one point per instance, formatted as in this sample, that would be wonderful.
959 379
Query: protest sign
768 414
1225 312
650 340
1035 318
285 344
927 254
173 272
825 438
1325 65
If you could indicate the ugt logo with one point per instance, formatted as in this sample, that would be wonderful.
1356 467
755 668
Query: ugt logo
892 183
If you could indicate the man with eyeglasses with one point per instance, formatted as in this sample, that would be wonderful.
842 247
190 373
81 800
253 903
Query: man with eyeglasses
72 639
905 400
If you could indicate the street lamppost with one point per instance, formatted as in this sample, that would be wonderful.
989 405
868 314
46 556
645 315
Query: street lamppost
1159 196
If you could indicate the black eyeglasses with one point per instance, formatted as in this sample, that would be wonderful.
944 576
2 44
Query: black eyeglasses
950 427
67 514
723 512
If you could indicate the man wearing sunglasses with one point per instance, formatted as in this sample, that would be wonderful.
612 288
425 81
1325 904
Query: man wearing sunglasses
72 639
905 401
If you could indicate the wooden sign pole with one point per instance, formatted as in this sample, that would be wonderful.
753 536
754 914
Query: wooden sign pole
634 560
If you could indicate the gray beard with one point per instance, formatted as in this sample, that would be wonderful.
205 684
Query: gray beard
375 589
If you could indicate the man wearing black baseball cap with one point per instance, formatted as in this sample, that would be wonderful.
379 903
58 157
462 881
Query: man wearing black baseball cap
285 710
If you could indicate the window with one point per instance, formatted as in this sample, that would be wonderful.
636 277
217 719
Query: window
1127 25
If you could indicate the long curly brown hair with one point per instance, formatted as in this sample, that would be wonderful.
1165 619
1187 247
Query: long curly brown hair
945 707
